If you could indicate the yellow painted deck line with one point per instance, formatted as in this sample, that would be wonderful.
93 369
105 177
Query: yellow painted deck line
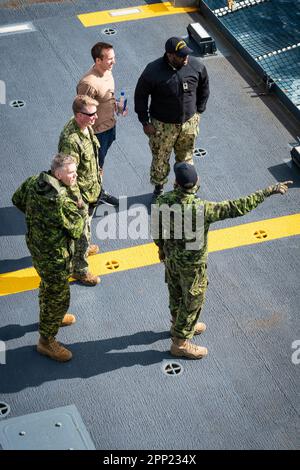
144 11
146 255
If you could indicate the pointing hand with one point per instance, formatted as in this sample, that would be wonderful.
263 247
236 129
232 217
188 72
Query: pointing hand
282 187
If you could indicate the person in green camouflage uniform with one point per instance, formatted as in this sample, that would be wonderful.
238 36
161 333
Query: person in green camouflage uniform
185 257
55 217
77 139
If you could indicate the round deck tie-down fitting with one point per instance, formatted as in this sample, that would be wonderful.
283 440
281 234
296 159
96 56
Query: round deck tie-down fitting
260 234
199 153
4 409
17 103
112 265
109 31
172 368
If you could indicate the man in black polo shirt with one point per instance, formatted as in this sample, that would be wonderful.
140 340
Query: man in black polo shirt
179 89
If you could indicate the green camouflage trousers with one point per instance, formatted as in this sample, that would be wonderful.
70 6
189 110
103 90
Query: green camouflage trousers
187 287
180 137
80 259
54 297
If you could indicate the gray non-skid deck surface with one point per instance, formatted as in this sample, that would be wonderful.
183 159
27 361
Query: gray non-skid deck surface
244 395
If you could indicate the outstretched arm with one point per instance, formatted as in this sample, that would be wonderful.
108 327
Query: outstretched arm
215 211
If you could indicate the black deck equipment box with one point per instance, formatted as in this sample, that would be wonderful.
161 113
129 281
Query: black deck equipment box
205 42
295 154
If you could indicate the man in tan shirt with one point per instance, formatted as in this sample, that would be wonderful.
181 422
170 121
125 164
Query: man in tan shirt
98 83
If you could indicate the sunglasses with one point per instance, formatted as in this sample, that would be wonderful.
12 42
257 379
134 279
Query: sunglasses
89 114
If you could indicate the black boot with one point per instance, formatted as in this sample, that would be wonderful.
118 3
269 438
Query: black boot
108 199
158 190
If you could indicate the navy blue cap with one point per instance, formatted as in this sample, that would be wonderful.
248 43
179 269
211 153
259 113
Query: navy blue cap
177 46
186 175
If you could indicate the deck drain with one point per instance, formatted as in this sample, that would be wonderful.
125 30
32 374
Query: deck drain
109 31
17 103
260 234
172 368
112 265
4 409
200 153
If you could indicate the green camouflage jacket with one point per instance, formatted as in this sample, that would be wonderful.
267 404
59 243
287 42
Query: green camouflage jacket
182 233
53 220
84 148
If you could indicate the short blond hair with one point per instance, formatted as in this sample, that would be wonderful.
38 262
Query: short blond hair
81 102
60 160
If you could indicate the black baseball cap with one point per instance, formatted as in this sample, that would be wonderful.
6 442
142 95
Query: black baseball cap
178 46
186 175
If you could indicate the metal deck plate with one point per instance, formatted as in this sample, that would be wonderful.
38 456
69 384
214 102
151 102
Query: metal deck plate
61 428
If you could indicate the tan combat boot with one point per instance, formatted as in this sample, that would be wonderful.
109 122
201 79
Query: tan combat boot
68 319
88 279
93 250
184 348
51 348
199 327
